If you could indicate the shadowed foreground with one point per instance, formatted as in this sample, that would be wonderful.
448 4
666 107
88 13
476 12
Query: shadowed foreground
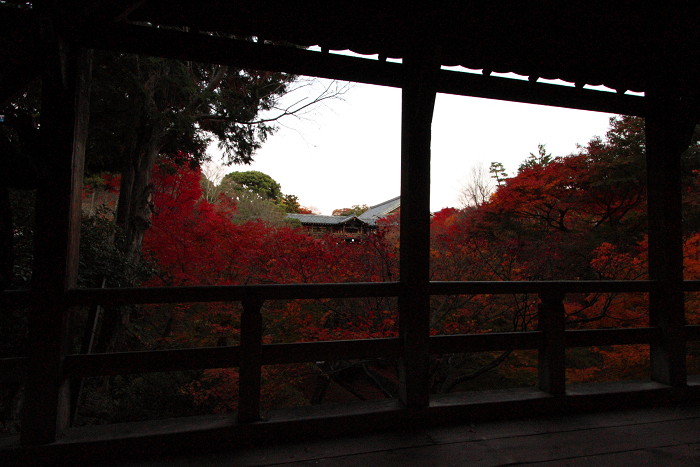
665 436
457 429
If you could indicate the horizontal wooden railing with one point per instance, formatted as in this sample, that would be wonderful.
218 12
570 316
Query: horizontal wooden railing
524 287
208 293
218 293
257 354
81 365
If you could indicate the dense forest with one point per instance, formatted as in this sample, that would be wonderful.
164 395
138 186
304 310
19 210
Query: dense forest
578 217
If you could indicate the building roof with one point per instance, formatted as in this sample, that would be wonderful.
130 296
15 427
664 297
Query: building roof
368 217
380 210
315 219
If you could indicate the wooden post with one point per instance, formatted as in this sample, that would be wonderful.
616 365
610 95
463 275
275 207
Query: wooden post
251 362
669 128
418 101
64 117
551 364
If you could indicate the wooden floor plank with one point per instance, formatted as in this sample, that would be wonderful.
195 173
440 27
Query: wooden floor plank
504 429
650 437
677 456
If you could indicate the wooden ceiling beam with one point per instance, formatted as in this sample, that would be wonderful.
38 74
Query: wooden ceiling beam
209 49
513 90
239 53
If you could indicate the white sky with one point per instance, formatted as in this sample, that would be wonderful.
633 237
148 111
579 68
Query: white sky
347 151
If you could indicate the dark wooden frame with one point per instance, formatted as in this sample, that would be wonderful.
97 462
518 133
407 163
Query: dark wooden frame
66 82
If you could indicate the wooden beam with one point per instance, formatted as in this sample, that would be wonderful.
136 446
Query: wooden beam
692 332
488 342
418 101
669 125
150 361
301 352
524 287
551 363
82 365
491 87
205 48
224 293
217 293
249 367
603 337
65 105
498 342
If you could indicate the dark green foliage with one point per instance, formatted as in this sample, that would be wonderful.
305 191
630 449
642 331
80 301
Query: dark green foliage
259 183
101 257
355 210
143 107
534 160
290 203
498 172
172 106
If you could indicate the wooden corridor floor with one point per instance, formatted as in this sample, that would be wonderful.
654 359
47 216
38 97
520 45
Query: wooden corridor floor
662 436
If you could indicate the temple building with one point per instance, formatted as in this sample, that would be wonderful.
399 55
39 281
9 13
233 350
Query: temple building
350 228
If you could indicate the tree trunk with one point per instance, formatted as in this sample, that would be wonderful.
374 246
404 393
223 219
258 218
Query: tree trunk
134 207
136 218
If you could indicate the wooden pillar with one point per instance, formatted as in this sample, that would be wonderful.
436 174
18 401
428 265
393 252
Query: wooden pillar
64 117
669 127
249 376
551 363
418 101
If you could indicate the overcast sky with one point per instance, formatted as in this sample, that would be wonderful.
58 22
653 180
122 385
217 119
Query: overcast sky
347 151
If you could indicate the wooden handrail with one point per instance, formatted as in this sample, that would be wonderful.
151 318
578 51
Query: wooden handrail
150 361
218 293
221 357
257 354
107 364
617 336
691 286
486 342
222 293
80 365
520 287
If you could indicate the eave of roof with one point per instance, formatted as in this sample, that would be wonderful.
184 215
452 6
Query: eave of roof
621 45
616 44
315 219
381 209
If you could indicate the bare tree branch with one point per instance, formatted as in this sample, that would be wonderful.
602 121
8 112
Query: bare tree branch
477 188
334 90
